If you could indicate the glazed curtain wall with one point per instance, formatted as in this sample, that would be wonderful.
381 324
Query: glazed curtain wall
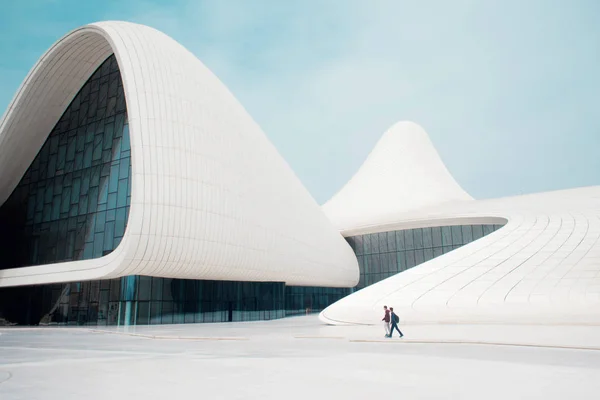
141 300
381 255
302 300
73 201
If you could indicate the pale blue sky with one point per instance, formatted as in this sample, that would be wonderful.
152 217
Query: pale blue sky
507 90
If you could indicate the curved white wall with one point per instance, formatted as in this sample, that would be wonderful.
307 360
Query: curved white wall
211 197
402 173
543 266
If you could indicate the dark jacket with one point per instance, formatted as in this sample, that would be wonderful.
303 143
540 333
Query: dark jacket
386 317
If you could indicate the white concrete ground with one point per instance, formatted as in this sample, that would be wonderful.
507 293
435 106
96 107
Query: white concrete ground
298 358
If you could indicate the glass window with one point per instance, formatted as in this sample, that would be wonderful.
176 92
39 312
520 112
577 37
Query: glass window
60 161
383 245
155 312
113 85
447 236
457 235
418 238
49 194
103 196
410 259
167 312
467 234
97 150
392 263
168 286
143 313
391 240
487 229
111 105
367 244
374 243
121 193
128 287
409 239
157 290
376 264
144 288
124 168
120 103
428 254
369 264
98 246
109 235
477 232
65 201
88 152
400 262
120 222
56 207
400 245
100 221
419 256
67 179
427 238
359 240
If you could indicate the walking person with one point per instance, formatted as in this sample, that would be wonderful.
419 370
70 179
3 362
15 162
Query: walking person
394 319
386 321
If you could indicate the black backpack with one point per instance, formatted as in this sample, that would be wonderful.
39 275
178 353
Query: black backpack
395 318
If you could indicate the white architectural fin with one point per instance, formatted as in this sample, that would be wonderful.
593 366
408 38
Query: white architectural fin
403 172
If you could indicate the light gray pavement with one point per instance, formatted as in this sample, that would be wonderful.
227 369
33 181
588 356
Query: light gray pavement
298 358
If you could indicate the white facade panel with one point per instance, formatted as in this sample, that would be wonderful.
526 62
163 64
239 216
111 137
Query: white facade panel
211 196
403 172
543 266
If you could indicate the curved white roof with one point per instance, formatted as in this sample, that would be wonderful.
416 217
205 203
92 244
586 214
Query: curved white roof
542 266
211 196
402 173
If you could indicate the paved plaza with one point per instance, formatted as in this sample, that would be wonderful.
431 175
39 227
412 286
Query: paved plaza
299 358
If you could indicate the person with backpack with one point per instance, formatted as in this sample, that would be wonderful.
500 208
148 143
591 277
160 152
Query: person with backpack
394 321
386 321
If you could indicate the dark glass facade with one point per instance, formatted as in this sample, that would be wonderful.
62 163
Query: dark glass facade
302 300
141 300
381 255
73 201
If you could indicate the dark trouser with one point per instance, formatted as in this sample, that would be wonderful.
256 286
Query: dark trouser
395 326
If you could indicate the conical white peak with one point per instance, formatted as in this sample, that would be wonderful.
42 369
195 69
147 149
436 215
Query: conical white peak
403 172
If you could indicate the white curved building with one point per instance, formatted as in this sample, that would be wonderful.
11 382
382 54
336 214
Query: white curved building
210 197
403 172
542 266
135 189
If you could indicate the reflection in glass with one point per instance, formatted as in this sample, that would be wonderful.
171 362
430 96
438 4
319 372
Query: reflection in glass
397 251
69 178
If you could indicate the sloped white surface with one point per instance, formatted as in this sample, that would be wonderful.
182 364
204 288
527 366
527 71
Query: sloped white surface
543 266
402 173
211 197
